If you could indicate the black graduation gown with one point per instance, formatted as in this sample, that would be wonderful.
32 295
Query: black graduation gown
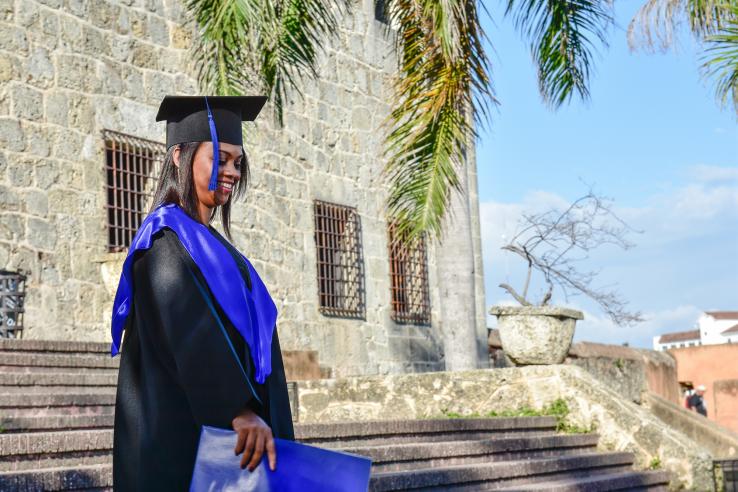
183 365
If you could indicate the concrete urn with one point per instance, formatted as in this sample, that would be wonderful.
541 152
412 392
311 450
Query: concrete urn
539 335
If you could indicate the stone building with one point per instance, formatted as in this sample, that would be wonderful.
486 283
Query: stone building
81 83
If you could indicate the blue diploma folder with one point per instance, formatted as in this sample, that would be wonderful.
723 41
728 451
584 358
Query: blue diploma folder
300 467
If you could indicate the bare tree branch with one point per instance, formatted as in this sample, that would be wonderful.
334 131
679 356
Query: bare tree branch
515 295
553 242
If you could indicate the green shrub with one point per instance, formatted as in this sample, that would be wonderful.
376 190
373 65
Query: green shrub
557 408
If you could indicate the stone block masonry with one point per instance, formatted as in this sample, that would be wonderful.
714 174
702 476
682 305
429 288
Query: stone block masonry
72 68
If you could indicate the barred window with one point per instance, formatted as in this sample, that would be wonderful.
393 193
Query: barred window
132 167
408 279
380 12
340 262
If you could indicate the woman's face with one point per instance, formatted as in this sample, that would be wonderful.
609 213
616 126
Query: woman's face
229 172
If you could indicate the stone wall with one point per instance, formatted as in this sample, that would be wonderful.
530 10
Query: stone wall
621 424
71 68
726 403
708 364
718 440
631 372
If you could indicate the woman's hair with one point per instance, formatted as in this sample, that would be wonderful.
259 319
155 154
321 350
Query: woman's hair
176 185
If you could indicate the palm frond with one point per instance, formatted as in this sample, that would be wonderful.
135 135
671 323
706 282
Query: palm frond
720 61
296 31
266 46
563 36
222 42
442 92
655 25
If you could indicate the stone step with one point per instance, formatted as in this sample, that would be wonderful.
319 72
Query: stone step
72 370
632 481
99 475
35 444
15 345
102 396
57 379
76 440
10 424
58 390
396 457
86 477
491 476
65 460
57 359
384 432
28 412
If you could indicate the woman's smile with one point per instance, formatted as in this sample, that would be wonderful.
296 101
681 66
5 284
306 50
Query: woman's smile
225 186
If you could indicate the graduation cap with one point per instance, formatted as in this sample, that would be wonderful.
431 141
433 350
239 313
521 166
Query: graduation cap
208 119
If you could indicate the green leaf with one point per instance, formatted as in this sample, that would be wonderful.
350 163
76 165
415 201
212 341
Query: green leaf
443 90
563 37
720 60
260 46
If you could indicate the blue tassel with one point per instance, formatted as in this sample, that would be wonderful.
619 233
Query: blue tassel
216 149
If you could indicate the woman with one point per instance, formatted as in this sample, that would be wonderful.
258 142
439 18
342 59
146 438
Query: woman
200 345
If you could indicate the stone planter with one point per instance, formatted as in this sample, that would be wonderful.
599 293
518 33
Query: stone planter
536 334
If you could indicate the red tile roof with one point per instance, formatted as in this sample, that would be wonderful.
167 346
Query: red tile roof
723 314
680 336
731 330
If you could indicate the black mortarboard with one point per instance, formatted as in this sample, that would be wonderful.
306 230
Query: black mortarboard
187 117
208 119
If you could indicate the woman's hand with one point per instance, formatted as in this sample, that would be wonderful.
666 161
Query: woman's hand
254 436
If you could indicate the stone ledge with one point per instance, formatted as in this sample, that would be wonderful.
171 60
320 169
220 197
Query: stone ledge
522 470
26 345
619 481
105 396
57 379
720 441
58 360
493 449
555 311
55 442
373 428
81 478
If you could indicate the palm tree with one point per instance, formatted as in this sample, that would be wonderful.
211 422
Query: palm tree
443 91
713 23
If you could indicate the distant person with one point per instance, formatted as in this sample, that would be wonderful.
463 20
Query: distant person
697 402
687 395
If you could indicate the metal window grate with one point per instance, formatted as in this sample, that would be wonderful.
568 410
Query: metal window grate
340 262
12 297
408 279
132 167
380 12
725 475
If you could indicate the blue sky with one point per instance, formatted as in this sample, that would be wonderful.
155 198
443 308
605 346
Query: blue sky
653 139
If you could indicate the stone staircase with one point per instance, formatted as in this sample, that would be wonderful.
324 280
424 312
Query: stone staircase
56 414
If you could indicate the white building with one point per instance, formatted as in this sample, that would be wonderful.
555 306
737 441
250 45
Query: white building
712 328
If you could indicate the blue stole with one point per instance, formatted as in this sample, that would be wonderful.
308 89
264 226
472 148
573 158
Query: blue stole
253 313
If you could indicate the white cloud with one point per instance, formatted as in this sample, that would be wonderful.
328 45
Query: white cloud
693 210
707 173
